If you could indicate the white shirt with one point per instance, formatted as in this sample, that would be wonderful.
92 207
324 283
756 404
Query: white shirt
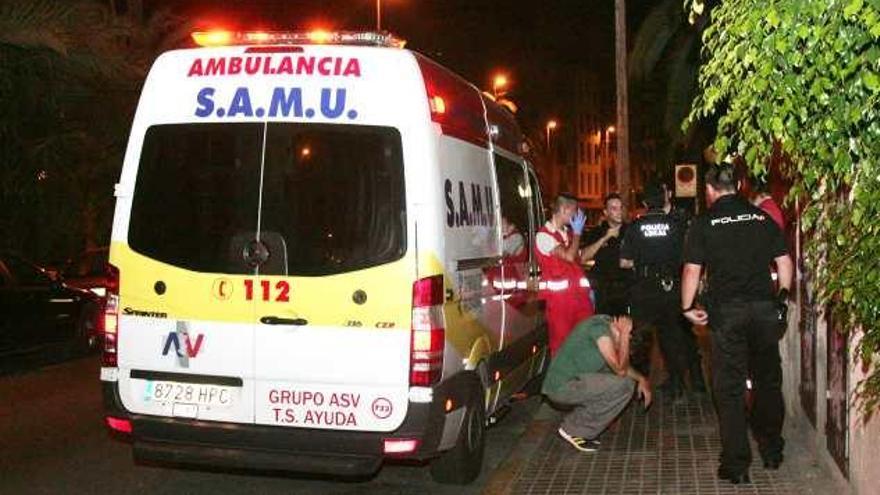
545 242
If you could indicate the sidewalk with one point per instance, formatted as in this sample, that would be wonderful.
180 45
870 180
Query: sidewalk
671 449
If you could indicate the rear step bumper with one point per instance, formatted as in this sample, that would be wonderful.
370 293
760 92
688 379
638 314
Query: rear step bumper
237 458
250 446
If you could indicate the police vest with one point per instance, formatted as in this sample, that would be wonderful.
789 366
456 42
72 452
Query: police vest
656 246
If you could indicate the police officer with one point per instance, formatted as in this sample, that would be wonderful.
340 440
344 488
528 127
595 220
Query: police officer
602 245
652 247
736 242
693 357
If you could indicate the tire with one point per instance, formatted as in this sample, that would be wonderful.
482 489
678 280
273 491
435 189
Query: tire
462 463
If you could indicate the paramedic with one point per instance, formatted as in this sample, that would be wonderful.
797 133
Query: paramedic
563 284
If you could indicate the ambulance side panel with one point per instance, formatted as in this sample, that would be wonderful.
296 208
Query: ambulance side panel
469 217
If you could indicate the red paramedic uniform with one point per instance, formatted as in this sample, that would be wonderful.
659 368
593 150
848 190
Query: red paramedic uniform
563 285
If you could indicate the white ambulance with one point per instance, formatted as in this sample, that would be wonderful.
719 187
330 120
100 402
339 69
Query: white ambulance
309 258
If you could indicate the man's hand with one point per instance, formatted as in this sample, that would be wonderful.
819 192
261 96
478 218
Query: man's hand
623 324
644 388
612 232
578 221
697 316
782 308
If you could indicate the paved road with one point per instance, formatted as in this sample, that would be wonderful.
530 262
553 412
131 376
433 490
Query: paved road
52 440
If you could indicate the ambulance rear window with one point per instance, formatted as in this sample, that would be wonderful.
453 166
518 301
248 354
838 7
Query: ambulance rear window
332 197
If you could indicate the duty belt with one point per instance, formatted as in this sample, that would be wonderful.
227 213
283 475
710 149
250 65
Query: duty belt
664 275
656 272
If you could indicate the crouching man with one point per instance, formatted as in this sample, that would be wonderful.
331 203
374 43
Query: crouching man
592 374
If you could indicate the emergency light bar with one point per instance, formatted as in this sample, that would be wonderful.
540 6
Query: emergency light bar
317 37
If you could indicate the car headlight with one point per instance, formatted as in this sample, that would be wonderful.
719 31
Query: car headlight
99 291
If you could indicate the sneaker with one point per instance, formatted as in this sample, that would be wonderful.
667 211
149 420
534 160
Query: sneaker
580 443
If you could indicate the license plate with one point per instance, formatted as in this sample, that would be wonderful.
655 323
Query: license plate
190 393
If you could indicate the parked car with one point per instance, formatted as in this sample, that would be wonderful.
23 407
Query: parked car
38 310
89 271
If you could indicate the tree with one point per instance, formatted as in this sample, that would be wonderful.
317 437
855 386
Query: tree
798 79
72 72
663 68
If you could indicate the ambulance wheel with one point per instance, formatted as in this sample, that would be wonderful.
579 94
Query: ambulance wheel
462 464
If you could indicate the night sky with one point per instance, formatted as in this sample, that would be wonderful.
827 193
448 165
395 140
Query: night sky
539 43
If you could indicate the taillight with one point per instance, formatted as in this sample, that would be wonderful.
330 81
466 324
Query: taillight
398 446
111 318
117 424
428 332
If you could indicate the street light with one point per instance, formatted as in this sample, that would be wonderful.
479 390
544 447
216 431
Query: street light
551 125
379 15
499 84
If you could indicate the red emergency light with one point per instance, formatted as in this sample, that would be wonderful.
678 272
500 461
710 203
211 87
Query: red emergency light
454 103
315 37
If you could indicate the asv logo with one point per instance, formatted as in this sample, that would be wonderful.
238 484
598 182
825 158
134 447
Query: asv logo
189 348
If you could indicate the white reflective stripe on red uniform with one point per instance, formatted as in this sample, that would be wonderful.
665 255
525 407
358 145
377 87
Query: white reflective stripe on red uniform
557 285
505 284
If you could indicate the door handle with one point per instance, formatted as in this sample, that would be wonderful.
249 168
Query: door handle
277 320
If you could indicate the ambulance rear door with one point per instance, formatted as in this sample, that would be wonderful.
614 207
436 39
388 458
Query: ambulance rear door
185 333
333 294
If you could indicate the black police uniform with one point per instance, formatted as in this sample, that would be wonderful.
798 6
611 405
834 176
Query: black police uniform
611 284
736 243
654 244
693 357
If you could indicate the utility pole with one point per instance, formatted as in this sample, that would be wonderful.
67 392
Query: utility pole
622 128
378 16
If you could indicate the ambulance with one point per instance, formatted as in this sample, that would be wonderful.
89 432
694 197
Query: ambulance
309 270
